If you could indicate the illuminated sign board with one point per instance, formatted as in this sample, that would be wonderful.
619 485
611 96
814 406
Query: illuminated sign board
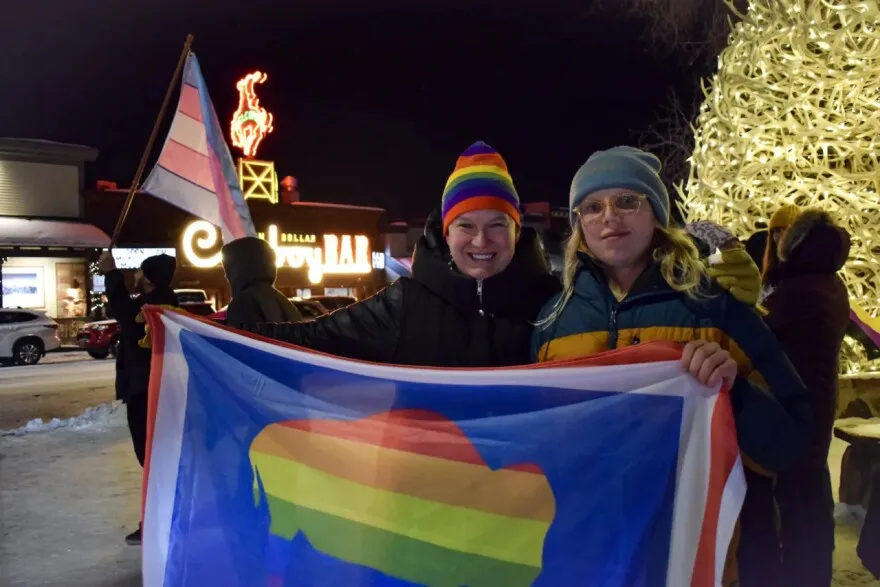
250 121
132 258
330 255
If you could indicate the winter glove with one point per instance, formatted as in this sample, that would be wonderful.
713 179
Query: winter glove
147 342
738 274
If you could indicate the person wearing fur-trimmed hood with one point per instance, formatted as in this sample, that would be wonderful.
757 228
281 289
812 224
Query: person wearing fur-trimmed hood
808 311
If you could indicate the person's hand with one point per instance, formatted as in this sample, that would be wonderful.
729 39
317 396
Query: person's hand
738 274
106 262
708 362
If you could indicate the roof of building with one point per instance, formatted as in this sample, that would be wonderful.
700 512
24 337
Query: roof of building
43 149
330 205
25 232
124 192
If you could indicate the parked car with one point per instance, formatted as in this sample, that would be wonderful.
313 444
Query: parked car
199 308
100 339
333 303
25 336
191 296
308 308
195 301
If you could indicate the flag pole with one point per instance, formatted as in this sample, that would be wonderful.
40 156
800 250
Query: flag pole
135 183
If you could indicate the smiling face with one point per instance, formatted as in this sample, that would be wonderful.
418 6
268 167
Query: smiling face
482 242
618 227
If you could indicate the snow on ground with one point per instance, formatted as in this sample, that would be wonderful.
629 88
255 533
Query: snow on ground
848 569
68 497
95 418
70 491
53 391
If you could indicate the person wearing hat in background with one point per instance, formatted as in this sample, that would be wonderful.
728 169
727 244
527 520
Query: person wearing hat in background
250 268
478 281
631 278
152 283
779 222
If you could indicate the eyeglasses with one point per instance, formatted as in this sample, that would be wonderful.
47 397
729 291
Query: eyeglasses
623 205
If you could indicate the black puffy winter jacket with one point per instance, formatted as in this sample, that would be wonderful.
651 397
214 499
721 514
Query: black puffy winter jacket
438 317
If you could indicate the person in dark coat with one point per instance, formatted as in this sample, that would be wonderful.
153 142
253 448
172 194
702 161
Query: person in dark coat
478 281
467 305
152 283
808 310
250 269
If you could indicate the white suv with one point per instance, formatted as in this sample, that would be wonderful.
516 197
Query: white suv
26 335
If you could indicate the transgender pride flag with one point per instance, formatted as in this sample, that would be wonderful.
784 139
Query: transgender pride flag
272 465
195 171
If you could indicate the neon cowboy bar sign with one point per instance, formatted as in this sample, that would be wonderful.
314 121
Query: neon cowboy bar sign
334 255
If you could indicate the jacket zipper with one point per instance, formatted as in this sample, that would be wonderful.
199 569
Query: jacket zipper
612 328
480 296
633 301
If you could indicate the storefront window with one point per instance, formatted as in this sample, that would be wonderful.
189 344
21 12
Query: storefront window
70 290
23 287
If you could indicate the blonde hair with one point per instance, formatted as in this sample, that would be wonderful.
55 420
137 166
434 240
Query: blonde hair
680 265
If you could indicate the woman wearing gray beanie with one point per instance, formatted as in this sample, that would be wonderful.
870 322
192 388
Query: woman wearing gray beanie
631 278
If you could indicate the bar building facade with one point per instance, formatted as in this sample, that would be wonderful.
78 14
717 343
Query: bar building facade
321 248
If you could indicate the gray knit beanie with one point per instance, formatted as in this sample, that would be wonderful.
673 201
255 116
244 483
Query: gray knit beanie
621 167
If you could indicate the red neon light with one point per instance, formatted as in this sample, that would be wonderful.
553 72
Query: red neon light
250 121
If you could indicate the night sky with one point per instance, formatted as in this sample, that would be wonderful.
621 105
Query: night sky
373 101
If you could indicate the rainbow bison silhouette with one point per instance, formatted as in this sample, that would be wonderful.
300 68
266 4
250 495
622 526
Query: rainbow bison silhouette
407 494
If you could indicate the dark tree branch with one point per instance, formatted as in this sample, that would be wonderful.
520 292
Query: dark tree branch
671 136
696 30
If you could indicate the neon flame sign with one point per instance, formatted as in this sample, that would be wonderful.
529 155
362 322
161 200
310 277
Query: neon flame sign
340 255
250 121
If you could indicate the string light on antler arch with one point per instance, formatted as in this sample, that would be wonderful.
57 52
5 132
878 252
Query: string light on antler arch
791 116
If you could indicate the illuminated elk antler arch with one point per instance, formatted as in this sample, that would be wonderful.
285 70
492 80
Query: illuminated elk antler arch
791 117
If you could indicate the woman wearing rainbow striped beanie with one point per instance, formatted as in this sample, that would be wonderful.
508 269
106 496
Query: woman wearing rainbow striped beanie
478 282
480 213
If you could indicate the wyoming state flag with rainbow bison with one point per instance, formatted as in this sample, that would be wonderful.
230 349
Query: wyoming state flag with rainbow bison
272 465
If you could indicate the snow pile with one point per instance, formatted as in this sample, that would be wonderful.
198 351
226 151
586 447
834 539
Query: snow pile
94 419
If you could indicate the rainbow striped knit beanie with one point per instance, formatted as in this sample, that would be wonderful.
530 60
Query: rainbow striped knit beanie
480 181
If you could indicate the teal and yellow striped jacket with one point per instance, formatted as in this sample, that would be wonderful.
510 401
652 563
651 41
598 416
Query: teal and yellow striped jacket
770 402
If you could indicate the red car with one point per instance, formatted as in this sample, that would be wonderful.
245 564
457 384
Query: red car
100 339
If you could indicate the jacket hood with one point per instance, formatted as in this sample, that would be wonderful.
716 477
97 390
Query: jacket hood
813 244
247 262
519 291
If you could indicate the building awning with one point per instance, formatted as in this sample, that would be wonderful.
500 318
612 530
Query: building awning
23 232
